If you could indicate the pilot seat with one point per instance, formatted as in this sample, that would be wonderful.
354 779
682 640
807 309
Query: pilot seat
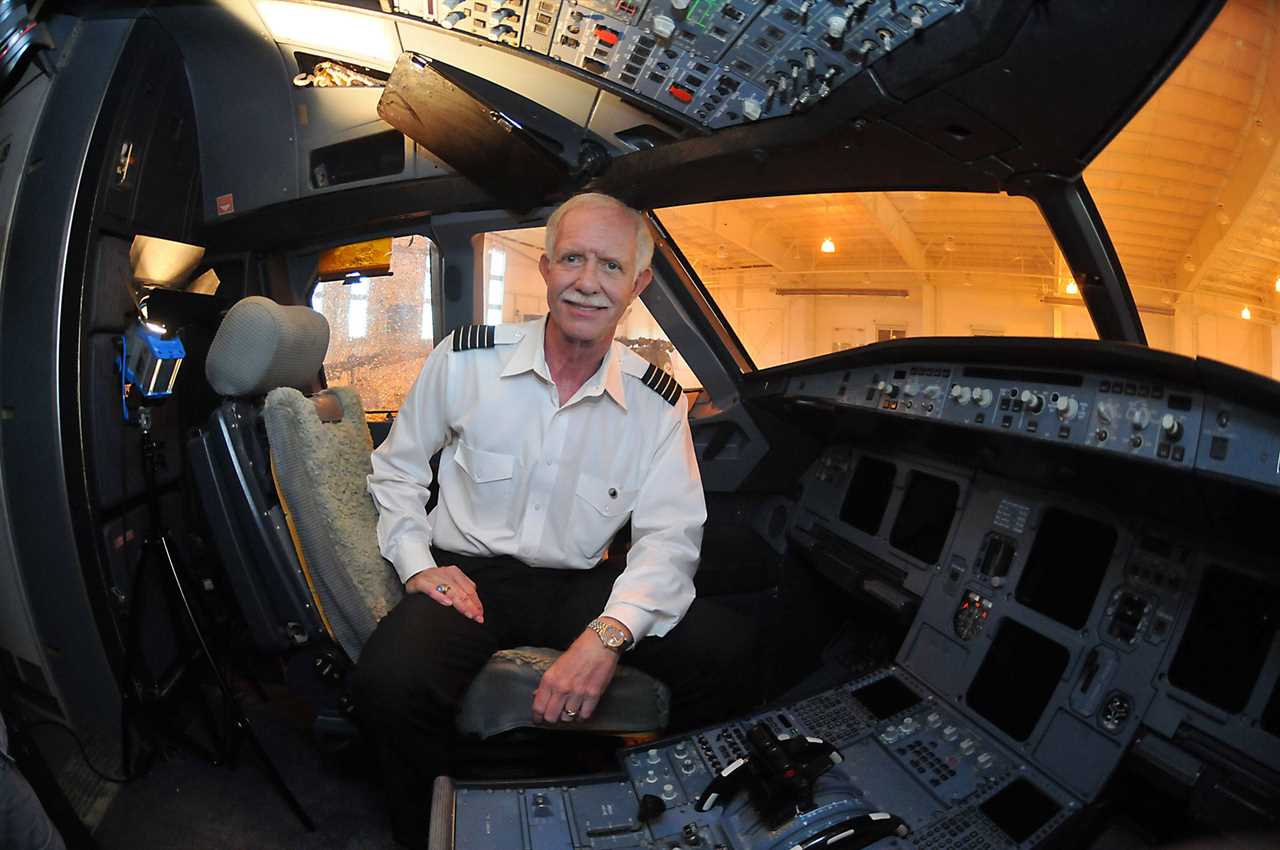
281 471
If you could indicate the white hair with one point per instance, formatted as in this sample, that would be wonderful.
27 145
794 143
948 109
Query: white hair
644 239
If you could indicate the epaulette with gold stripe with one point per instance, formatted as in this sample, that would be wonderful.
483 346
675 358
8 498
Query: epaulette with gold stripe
468 337
662 384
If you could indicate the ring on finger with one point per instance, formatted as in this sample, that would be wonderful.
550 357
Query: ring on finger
569 712
442 589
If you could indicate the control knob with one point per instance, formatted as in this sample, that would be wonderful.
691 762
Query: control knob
1107 412
752 109
1139 418
451 4
1068 407
836 25
664 26
453 19
1172 427
679 8
890 390
962 395
983 396
499 32
1034 402
911 389
933 392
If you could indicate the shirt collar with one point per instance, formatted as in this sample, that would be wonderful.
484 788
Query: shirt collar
531 356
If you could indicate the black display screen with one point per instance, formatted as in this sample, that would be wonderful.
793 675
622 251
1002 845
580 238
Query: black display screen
1017 678
886 697
868 495
1227 639
1066 566
1020 809
925 516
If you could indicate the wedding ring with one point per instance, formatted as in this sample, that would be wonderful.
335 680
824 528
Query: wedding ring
569 712
442 588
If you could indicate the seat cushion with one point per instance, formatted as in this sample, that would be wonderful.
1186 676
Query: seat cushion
501 697
321 469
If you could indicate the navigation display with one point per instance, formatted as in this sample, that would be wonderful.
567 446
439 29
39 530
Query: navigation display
1066 566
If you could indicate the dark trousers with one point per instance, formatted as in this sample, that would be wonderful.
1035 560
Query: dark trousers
420 660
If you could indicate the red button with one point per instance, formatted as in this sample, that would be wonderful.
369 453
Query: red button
681 93
606 36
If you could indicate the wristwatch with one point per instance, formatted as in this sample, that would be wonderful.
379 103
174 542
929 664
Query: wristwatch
610 635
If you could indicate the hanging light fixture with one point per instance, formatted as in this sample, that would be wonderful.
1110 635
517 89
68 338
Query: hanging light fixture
1072 289
1245 314
828 247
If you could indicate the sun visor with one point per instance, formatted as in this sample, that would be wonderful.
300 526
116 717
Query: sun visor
427 101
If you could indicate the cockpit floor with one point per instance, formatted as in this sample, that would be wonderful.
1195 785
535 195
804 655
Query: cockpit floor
185 802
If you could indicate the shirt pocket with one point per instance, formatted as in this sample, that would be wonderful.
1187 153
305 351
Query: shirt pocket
484 499
600 510
484 467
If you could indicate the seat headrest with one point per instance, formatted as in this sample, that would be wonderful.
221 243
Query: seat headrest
261 345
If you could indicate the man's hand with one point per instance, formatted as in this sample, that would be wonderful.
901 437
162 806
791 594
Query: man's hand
575 682
448 586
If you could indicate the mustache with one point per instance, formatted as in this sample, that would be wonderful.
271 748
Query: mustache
585 301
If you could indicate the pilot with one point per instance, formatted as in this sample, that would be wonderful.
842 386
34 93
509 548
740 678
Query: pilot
552 436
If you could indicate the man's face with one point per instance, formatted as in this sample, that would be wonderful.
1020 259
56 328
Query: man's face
591 276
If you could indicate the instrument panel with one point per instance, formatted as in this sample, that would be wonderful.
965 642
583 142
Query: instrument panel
1179 426
718 62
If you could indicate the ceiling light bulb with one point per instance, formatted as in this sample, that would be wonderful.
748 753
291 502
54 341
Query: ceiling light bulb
1278 284
1072 289
828 247
1245 314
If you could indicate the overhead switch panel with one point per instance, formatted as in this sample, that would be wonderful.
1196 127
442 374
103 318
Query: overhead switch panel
767 59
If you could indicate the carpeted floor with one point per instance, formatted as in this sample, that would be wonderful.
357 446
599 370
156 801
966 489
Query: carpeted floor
185 802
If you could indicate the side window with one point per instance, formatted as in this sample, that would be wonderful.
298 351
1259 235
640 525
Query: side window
515 292
377 298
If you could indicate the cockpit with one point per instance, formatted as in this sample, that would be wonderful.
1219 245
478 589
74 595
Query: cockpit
973 306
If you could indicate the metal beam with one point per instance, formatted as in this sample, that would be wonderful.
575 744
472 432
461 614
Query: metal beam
749 234
895 228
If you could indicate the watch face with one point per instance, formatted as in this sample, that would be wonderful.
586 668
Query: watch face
611 636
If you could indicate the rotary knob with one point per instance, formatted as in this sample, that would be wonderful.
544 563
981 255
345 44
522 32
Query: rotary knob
1139 418
962 395
1067 407
933 392
1033 402
752 109
836 25
890 390
679 8
911 390
453 19
983 396
1171 427
664 26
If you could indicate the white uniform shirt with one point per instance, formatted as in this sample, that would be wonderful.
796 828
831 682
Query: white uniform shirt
521 475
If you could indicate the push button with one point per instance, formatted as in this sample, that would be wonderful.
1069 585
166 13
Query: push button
1218 448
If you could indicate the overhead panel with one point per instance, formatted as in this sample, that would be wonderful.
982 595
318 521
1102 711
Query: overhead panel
718 62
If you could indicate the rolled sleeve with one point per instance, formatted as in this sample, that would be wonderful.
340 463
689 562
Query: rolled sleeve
656 588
